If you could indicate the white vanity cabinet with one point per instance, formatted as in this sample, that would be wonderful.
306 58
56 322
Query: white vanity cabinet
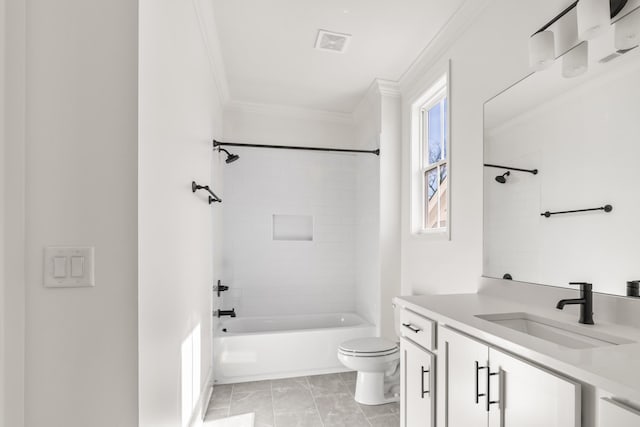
614 413
417 382
482 386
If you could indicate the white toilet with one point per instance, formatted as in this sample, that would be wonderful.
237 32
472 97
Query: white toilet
377 361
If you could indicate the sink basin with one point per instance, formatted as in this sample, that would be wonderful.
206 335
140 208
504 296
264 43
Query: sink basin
563 334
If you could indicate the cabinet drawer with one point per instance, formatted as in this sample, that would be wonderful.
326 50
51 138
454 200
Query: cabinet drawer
614 413
418 329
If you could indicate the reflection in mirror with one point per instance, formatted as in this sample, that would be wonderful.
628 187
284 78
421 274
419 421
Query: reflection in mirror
583 135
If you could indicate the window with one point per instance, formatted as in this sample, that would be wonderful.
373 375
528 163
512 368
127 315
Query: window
430 160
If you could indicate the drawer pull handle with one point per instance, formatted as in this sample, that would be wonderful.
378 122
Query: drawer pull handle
478 394
411 327
424 371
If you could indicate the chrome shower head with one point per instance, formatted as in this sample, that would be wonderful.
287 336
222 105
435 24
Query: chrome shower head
503 178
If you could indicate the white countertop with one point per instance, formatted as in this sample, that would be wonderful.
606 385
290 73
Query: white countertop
614 368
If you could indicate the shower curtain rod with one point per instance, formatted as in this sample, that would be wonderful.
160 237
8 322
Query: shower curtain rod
293 147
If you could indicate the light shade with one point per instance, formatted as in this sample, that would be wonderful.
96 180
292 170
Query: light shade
594 16
576 61
541 50
628 31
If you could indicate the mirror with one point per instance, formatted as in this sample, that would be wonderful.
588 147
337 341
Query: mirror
582 134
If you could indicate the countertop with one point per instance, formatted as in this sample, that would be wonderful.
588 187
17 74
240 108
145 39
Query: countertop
614 368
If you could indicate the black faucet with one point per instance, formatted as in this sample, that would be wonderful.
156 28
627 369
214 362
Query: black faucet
585 301
231 312
220 288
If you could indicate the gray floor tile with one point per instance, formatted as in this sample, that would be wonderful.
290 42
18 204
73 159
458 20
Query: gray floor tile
332 407
216 414
292 400
348 377
392 420
221 396
348 420
351 387
252 386
297 383
258 402
299 419
322 385
371 411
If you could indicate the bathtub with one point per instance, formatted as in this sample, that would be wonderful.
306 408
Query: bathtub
257 348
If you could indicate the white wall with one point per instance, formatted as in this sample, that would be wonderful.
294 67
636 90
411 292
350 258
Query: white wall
81 164
489 56
13 310
179 116
276 277
3 320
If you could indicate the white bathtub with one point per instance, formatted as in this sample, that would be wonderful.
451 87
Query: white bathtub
255 348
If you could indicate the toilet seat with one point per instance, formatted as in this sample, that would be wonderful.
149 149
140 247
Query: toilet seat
368 347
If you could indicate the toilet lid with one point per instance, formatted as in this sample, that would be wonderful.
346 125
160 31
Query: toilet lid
368 347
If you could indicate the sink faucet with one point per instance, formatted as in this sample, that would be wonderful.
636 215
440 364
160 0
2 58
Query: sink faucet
585 301
221 313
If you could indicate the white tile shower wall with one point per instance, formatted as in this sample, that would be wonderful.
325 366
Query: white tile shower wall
270 277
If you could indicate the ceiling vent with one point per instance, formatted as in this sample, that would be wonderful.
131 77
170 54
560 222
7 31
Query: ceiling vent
333 42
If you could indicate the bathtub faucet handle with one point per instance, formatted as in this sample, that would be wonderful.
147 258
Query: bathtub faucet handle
220 313
220 288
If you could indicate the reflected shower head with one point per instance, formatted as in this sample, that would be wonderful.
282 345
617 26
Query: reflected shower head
503 178
230 157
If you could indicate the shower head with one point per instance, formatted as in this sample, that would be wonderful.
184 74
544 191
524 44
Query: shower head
503 178
230 157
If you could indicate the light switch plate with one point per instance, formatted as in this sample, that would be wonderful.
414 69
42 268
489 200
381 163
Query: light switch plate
77 274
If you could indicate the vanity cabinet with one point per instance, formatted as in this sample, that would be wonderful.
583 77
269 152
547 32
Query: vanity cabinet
482 386
417 382
614 413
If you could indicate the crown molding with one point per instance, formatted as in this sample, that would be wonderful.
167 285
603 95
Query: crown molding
448 34
287 111
206 19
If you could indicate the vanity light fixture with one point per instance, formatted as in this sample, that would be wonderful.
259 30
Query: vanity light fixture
594 16
542 50
627 31
575 62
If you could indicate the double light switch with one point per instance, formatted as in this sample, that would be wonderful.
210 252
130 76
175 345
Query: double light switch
68 267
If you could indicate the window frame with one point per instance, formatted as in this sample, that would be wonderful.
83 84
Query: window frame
438 89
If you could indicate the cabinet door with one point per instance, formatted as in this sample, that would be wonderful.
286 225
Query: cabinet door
529 396
613 413
461 380
417 377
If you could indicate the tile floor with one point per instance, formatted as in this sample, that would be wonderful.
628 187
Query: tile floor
315 401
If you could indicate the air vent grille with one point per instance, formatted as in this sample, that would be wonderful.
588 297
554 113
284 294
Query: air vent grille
332 41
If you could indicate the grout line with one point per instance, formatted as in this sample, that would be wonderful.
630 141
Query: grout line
314 401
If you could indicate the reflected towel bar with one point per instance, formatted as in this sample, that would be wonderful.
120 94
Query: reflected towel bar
606 208
212 198
533 171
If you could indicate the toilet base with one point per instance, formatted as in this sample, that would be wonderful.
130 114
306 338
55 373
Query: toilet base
376 388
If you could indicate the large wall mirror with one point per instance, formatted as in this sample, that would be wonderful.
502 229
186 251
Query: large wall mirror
582 135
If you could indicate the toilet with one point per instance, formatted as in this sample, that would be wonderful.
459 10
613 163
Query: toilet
377 361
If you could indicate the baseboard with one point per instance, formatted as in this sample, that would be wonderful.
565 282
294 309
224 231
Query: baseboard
200 410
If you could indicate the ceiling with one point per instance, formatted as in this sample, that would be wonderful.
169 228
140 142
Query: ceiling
269 55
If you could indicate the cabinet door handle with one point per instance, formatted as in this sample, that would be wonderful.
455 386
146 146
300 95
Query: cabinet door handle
411 327
478 394
489 375
424 371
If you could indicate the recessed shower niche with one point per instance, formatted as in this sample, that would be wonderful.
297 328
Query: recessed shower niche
293 227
